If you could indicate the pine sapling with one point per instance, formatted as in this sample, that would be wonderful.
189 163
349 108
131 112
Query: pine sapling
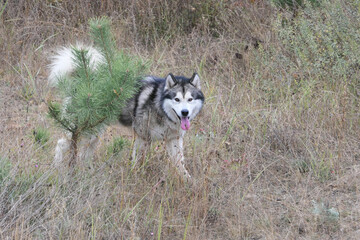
94 94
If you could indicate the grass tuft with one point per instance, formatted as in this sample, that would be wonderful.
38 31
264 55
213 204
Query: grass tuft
41 135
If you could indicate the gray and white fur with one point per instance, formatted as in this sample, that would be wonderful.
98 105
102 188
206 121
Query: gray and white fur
162 109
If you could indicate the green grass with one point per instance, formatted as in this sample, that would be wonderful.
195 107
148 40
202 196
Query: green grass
41 135
117 146
5 168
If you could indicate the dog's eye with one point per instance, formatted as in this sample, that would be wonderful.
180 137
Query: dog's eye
190 99
177 100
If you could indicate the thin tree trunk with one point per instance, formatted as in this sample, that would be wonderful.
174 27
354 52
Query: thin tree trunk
74 149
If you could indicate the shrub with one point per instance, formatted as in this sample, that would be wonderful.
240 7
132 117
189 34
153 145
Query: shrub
92 99
317 49
310 77
293 4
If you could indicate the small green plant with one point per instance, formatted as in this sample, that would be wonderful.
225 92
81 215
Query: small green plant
330 213
2 7
117 146
29 89
321 169
327 217
302 166
5 167
41 135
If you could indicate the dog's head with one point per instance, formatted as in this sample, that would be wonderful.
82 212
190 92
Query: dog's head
182 99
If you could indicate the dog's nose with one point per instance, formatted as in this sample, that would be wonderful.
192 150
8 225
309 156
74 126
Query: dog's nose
184 112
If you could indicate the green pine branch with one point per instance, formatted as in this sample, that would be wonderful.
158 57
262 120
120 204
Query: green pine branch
55 113
101 34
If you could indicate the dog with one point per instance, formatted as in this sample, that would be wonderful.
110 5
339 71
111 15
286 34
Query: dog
161 110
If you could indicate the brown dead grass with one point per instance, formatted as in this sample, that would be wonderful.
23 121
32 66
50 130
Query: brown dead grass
255 164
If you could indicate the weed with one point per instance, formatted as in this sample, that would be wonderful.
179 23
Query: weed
188 219
117 146
302 166
5 168
327 217
41 135
160 219
2 7
29 90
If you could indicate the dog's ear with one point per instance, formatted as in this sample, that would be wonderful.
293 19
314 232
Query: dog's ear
195 80
170 81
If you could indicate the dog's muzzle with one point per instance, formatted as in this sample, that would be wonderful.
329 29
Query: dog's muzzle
184 122
184 112
184 119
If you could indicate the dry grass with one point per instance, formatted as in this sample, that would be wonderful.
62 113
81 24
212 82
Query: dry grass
267 163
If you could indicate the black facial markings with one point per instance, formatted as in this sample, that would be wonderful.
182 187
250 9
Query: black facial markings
168 95
176 114
198 95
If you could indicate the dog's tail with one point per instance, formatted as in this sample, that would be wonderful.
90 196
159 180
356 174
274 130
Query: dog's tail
63 62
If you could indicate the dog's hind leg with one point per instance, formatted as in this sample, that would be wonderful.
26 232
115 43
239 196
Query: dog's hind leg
174 148
62 147
88 146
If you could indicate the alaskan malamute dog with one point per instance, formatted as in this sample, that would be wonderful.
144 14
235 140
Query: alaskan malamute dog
162 109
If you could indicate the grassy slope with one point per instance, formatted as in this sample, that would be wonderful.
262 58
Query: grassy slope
275 153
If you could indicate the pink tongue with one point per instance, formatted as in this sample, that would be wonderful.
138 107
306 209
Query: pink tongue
185 123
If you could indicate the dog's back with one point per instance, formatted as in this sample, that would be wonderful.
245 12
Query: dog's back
147 98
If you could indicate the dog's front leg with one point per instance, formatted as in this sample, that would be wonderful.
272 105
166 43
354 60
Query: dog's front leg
139 150
174 148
